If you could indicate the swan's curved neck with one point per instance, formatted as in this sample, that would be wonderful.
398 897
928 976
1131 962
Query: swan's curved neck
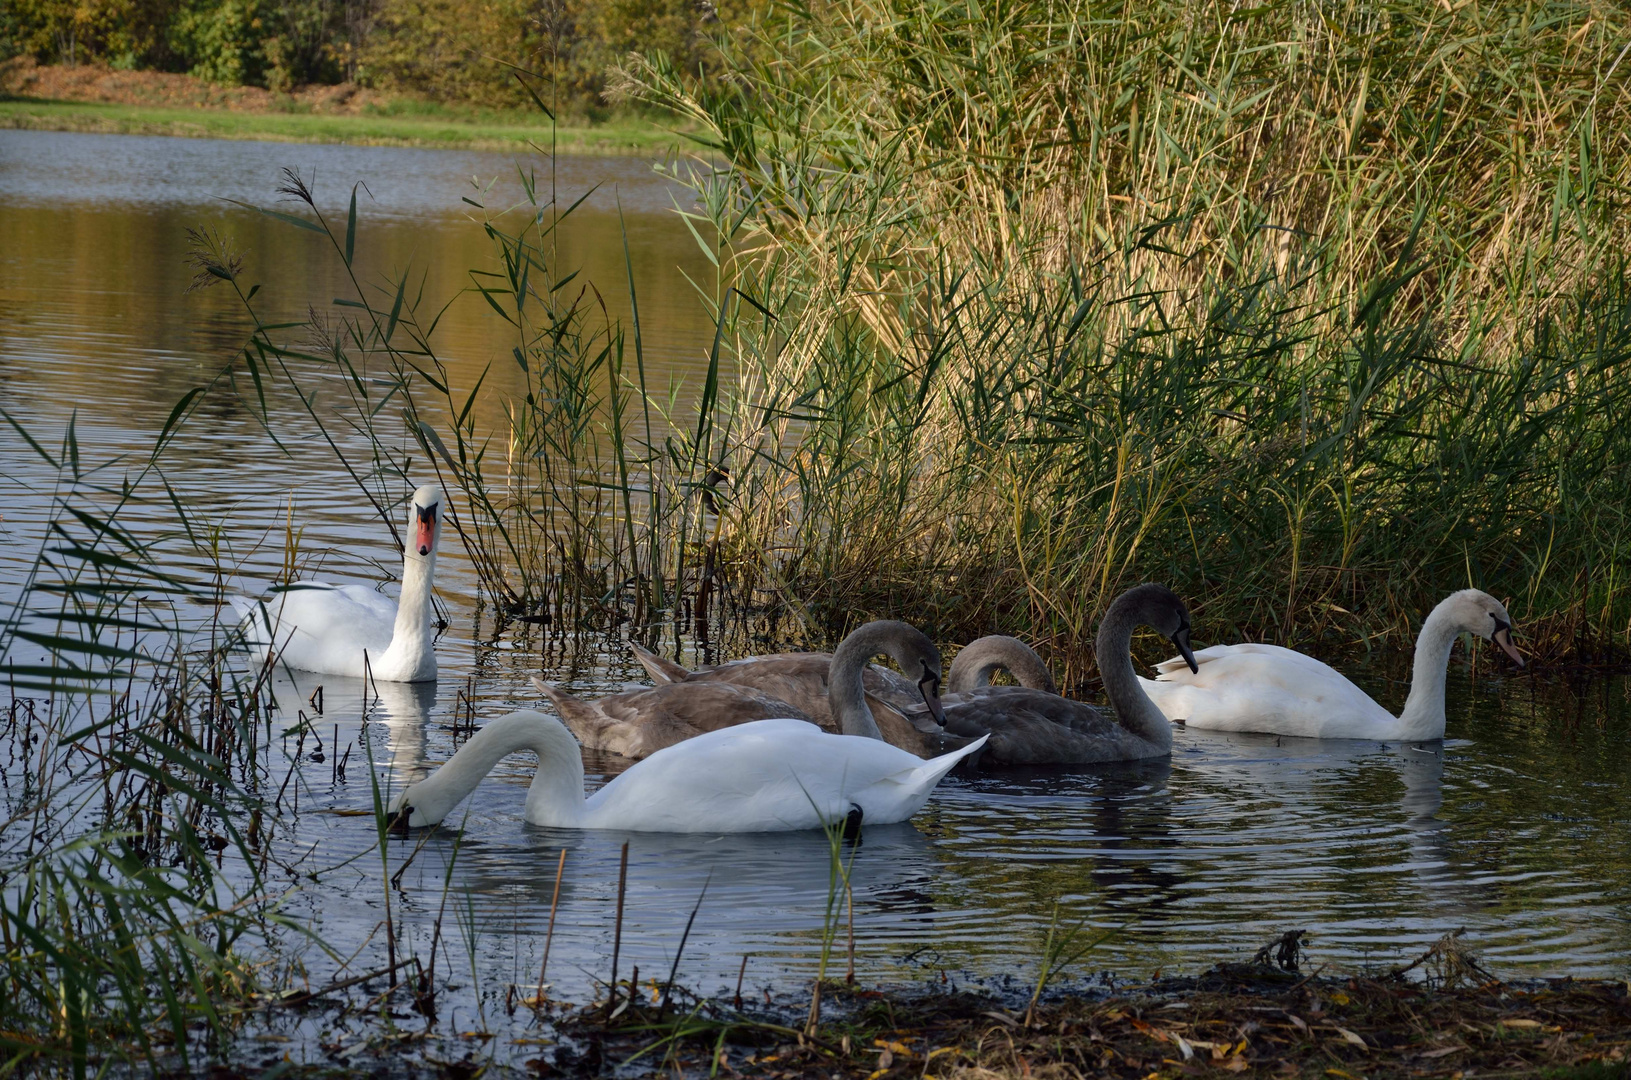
555 796
973 667
846 692
1423 713
1114 651
411 648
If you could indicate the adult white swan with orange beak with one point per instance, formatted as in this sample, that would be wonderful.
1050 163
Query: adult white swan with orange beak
352 629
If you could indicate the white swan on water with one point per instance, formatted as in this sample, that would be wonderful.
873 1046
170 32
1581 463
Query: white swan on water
765 776
1267 688
331 629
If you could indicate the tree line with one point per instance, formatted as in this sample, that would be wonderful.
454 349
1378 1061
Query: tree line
447 50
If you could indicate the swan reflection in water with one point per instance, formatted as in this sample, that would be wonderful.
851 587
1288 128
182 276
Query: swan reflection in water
1352 825
766 893
400 711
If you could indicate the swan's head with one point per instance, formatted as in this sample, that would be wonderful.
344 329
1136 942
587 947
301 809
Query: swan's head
421 804
424 522
1478 612
1159 608
924 669
918 658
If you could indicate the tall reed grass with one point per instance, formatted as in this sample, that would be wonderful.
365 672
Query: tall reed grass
133 755
1315 312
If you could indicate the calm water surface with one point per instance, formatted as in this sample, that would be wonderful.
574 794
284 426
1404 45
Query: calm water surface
1515 828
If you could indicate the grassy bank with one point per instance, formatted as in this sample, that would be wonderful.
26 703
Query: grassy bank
429 128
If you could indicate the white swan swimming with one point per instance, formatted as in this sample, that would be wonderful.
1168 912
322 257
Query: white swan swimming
331 628
1270 689
765 776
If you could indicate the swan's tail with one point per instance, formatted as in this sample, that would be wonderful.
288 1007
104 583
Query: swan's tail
930 773
592 727
661 669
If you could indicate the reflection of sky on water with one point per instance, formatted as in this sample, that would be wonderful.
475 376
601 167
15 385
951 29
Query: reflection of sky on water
50 169
1516 828
96 320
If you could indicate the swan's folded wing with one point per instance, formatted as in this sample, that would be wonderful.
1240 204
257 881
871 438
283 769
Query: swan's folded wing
800 679
763 776
310 616
1174 665
1174 669
1265 688
672 713
1034 727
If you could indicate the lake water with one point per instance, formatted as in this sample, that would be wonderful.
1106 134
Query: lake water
1515 828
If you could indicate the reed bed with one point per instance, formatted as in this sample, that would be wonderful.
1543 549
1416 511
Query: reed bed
134 756
1314 312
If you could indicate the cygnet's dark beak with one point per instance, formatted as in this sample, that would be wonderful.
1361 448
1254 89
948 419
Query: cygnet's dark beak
1503 638
1181 640
929 687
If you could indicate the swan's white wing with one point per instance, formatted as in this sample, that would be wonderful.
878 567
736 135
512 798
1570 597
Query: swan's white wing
1267 688
322 627
1175 666
766 776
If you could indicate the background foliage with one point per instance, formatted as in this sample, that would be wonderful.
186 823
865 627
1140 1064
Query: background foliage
447 50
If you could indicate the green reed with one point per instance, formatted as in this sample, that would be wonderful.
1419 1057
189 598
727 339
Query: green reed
134 764
1315 313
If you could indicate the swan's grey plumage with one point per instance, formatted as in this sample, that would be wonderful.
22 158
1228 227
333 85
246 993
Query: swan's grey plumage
800 679
642 722
638 723
352 630
1034 727
1252 687
976 662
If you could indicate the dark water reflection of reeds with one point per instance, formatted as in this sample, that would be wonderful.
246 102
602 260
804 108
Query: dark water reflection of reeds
1516 828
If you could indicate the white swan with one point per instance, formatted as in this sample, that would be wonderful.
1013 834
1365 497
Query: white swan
1267 688
765 776
330 628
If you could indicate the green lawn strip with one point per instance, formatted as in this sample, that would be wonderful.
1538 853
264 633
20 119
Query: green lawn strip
510 132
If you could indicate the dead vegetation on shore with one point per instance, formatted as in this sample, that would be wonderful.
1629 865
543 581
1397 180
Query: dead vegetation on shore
23 77
1236 1020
